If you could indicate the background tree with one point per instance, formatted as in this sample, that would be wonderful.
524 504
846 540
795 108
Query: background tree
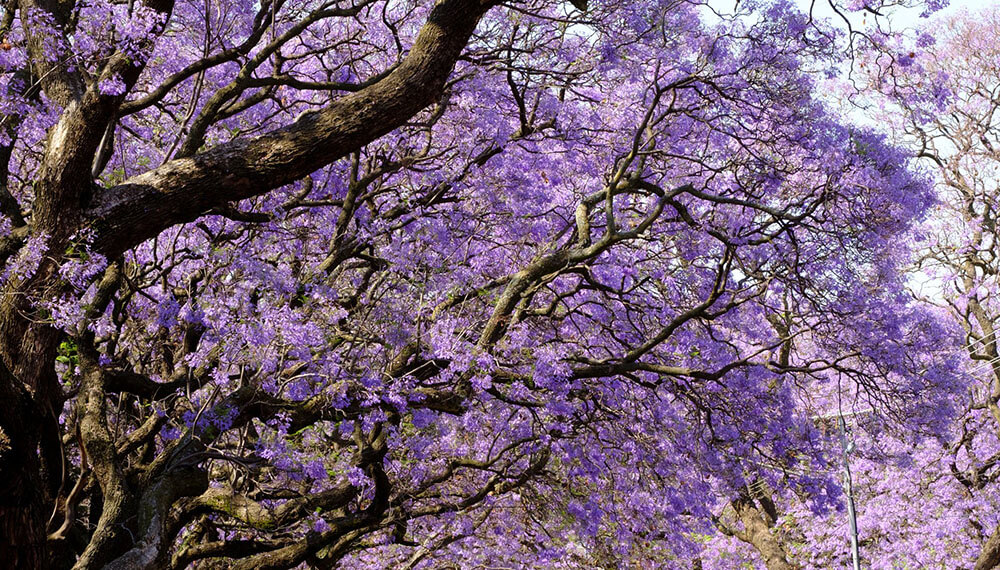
937 94
944 91
395 284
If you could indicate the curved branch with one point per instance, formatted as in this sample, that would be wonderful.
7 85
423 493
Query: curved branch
183 189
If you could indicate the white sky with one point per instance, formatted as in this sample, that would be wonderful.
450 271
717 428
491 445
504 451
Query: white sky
900 17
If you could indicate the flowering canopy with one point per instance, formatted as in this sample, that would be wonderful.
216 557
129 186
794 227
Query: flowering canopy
394 284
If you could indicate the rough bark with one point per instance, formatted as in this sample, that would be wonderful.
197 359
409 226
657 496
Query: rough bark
22 524
119 499
989 556
758 523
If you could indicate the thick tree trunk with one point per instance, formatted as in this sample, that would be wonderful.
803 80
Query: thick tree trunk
757 525
22 526
989 557
31 401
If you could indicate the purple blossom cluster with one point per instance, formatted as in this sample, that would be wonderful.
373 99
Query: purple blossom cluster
591 304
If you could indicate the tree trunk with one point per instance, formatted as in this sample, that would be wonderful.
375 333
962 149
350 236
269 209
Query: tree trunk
757 525
22 527
989 557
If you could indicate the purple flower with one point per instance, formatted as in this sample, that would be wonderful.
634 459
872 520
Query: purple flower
111 86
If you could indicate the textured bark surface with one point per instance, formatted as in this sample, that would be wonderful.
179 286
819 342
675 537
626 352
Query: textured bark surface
989 557
758 523
22 526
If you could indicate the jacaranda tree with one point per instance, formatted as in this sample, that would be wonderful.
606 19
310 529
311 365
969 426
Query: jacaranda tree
929 502
399 284
942 94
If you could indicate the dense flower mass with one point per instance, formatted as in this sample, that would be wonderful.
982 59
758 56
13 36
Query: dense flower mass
466 284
